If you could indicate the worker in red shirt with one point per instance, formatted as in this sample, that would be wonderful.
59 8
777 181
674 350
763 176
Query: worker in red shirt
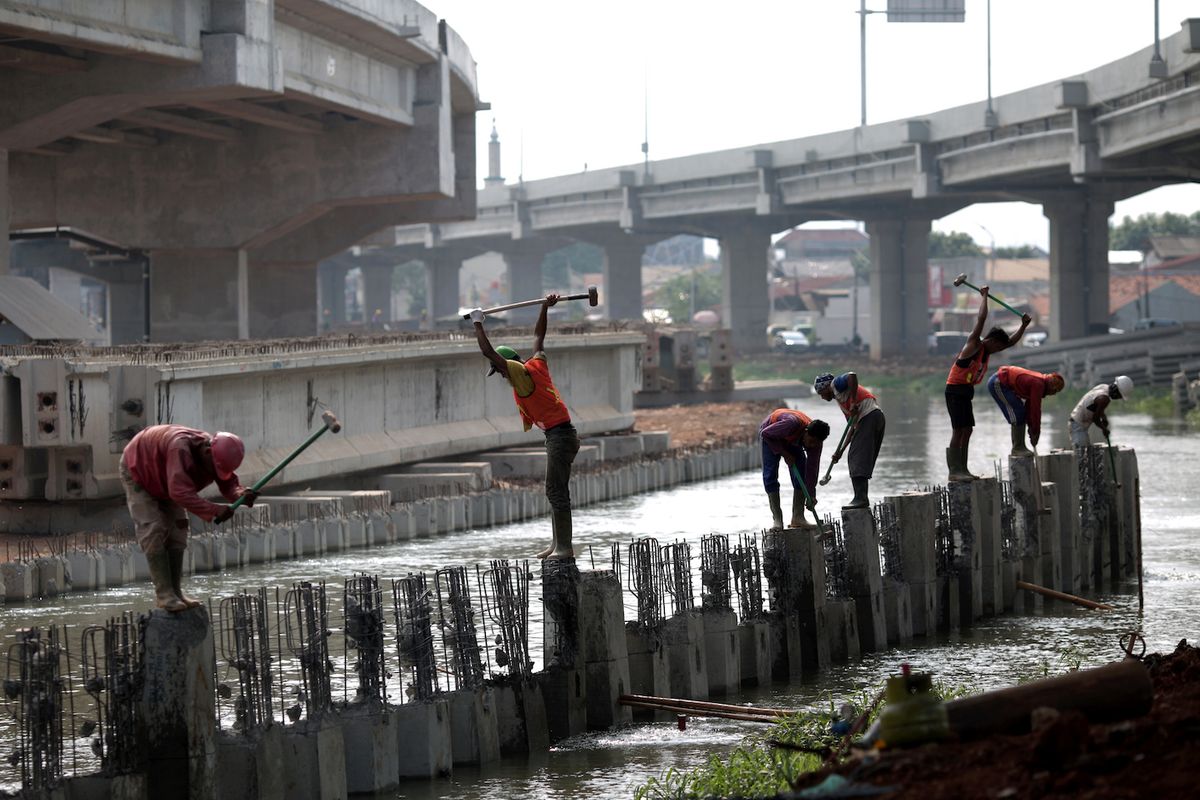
1019 394
796 438
163 469
540 404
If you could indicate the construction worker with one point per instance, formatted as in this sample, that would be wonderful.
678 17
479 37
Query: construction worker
163 469
540 404
796 438
1019 394
865 437
1092 407
966 372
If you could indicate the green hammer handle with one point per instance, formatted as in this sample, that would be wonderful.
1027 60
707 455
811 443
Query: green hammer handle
1112 461
331 424
807 497
993 297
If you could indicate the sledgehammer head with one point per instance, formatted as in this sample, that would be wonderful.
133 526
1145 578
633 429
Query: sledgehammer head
959 280
331 421
593 296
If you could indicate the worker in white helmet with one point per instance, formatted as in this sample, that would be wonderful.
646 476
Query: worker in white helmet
1093 407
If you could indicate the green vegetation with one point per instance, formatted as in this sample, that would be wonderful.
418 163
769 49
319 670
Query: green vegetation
1134 234
952 245
410 277
1019 251
761 768
676 294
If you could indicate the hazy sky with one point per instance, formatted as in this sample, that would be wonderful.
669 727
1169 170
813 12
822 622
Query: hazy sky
569 79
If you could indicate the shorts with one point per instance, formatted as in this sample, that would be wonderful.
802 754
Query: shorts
959 404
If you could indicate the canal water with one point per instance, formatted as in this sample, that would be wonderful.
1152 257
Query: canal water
998 651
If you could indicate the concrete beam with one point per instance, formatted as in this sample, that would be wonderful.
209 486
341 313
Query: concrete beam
144 29
262 115
179 123
39 61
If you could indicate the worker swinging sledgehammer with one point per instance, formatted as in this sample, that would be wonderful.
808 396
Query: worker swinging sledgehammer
1093 407
540 404
1019 394
967 371
866 434
163 469
797 439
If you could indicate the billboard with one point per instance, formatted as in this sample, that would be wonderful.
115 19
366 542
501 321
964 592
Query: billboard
926 10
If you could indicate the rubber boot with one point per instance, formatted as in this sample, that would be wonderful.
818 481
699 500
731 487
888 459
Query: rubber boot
164 591
963 452
798 518
776 511
176 557
1019 450
553 537
860 499
955 457
562 535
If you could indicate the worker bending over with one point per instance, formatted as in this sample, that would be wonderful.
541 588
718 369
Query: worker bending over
967 371
1019 394
1093 407
796 438
540 404
865 437
163 470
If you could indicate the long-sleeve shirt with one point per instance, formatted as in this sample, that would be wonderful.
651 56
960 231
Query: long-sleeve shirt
783 431
1030 386
165 460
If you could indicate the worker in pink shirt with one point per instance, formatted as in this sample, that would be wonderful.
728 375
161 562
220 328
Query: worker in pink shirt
163 469
1019 392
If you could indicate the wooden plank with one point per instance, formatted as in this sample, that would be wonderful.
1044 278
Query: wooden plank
177 123
262 115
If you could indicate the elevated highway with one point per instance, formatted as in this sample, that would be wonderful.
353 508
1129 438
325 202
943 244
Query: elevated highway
1073 146
231 143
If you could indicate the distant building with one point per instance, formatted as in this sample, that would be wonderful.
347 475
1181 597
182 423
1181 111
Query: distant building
1134 297
822 244
1169 248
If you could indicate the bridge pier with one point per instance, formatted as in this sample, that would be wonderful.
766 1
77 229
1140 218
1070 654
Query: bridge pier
899 287
377 294
331 294
184 309
1078 266
5 211
524 261
745 304
622 297
441 282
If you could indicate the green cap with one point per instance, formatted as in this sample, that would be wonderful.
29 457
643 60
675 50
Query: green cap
509 355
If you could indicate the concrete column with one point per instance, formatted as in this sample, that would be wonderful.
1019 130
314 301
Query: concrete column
990 540
899 287
563 682
865 578
331 295
1027 497
282 299
179 706
649 673
524 260
794 565
1060 468
917 512
745 303
687 658
1078 266
622 290
5 212
442 284
377 294
1129 510
605 653
199 294
964 515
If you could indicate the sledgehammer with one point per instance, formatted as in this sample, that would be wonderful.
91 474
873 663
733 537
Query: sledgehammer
592 295
961 280
331 424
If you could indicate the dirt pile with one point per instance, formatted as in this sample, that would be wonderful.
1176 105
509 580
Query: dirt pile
1157 755
704 423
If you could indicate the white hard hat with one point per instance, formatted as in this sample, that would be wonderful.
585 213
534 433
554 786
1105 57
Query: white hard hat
1124 385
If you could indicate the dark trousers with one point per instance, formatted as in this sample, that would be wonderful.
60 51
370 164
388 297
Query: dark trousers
864 448
562 445
770 466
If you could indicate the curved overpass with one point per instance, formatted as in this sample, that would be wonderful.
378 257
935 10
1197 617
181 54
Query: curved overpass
1074 146
240 140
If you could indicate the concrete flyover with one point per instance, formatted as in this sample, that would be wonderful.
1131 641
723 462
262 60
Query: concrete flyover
233 143
1073 146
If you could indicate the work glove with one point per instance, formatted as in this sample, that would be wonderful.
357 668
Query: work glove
225 515
251 497
551 299
477 315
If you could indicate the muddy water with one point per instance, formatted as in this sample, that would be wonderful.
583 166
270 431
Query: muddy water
995 652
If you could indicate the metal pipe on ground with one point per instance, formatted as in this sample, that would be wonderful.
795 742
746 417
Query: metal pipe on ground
1070 598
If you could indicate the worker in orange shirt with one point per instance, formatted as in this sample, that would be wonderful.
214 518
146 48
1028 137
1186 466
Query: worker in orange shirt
540 404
